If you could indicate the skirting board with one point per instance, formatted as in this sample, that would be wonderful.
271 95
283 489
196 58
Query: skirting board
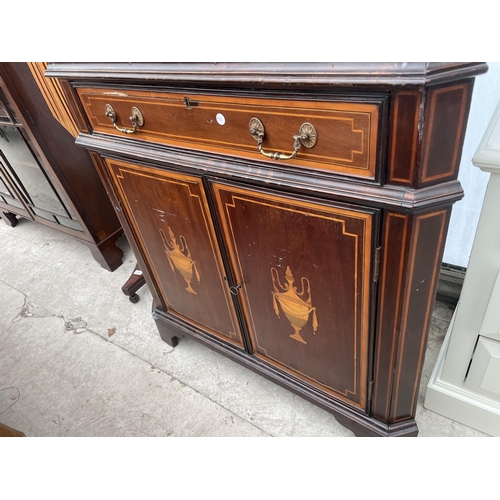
451 280
458 403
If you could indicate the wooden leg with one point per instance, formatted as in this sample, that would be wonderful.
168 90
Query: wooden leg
166 335
107 253
170 336
9 218
133 284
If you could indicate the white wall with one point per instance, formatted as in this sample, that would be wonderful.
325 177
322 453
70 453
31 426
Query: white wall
465 214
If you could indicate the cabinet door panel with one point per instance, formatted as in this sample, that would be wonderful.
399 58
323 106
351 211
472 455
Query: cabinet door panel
9 198
305 274
170 216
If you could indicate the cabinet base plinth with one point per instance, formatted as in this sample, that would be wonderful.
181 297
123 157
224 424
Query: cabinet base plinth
171 329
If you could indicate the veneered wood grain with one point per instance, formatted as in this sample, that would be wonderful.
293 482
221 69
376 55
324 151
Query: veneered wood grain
132 238
54 96
404 152
447 109
166 209
347 131
327 248
408 286
421 110
395 241
428 239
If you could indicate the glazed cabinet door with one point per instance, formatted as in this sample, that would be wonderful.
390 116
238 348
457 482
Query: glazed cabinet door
169 214
305 271
10 199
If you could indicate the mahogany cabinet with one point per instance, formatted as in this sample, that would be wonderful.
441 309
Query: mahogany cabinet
290 216
44 176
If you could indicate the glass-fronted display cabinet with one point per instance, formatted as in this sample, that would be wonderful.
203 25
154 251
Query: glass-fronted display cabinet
44 176
25 186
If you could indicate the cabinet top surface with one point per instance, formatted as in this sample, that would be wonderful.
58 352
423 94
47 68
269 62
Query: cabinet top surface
351 73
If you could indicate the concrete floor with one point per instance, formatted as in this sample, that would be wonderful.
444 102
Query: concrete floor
63 374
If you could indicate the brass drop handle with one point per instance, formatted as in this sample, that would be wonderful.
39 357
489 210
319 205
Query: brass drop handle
307 137
137 119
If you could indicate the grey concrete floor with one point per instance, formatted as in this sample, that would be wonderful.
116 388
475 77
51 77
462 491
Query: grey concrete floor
63 374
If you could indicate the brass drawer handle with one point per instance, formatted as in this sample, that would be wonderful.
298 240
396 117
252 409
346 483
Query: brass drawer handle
306 137
137 119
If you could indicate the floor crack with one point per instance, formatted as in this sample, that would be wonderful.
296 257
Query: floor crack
78 325
30 310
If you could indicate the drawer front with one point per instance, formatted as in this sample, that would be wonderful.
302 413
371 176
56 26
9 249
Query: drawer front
345 133
305 285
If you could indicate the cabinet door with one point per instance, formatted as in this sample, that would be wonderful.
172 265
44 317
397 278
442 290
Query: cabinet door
305 274
169 214
23 166
9 197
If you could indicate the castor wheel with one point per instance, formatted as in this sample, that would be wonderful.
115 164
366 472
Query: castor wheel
134 298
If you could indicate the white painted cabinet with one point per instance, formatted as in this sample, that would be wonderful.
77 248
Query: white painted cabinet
465 383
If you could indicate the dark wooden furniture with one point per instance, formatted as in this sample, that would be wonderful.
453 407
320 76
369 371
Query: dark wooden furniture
290 216
133 284
44 176
6 431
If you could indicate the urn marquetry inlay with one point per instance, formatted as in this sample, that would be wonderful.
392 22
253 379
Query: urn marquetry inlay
296 309
179 258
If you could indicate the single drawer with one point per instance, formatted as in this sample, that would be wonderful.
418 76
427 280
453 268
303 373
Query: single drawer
335 136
